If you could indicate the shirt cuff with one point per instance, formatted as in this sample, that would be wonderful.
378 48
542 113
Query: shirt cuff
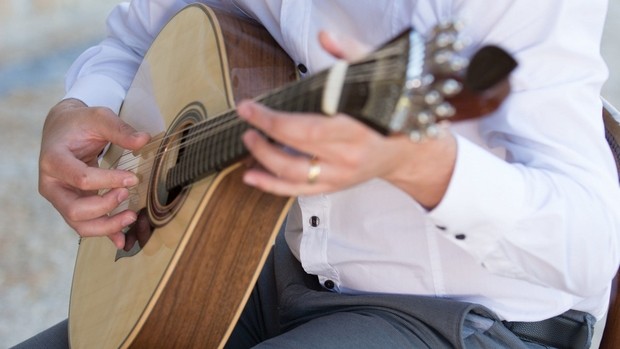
464 215
90 90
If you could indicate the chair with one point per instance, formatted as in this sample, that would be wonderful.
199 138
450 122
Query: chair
611 334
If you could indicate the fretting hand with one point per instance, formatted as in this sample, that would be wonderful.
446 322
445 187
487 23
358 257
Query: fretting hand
341 152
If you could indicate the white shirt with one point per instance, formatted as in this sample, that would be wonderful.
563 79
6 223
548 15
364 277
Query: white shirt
530 223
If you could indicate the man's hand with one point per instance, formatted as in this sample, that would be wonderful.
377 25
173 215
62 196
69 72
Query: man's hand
69 177
339 152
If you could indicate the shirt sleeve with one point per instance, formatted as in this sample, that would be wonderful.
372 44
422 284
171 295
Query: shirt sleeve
549 212
102 74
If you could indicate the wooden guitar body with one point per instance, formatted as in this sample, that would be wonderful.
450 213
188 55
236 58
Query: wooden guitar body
210 241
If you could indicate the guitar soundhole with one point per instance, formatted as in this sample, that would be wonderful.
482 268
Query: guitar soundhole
163 203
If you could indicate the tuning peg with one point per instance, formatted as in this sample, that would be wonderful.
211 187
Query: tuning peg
431 131
444 110
443 57
458 63
433 97
448 26
445 39
425 117
461 43
449 87
416 136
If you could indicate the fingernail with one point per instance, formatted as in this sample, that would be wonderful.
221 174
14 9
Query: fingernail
122 196
329 35
249 180
128 220
249 138
130 181
244 109
139 134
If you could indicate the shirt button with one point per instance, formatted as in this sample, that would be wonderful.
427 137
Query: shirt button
460 236
302 68
315 221
329 284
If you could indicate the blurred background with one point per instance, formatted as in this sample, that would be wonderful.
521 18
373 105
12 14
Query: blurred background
38 41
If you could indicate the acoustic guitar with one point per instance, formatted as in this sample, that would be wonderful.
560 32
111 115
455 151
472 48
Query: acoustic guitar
202 236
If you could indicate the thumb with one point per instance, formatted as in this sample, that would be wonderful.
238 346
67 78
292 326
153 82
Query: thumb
118 132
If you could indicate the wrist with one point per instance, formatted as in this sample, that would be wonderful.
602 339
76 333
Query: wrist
426 169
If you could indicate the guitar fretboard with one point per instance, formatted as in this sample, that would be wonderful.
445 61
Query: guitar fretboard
210 146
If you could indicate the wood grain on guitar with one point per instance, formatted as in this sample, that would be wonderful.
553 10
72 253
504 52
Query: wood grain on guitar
202 236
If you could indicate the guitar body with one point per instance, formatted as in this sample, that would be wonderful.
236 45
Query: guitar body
187 285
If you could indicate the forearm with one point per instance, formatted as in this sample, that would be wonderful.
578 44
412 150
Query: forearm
103 73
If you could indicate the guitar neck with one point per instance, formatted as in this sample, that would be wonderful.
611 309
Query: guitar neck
406 86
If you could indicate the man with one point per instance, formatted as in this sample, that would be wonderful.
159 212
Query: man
513 217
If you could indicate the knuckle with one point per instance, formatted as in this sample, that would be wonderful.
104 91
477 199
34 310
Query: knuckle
124 128
101 112
353 158
314 132
97 227
47 162
80 231
42 187
85 230
72 214
287 172
81 180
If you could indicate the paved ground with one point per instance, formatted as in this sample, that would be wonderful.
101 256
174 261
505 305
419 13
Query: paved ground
37 250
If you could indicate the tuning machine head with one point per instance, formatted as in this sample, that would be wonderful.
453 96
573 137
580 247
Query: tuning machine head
442 84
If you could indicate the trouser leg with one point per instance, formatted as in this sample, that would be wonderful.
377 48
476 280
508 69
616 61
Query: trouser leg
259 319
55 337
311 317
289 309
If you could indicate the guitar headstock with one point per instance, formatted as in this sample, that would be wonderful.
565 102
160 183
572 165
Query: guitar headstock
419 83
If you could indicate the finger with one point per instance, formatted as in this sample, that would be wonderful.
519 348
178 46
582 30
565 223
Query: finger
84 208
286 128
66 168
271 184
345 48
79 208
118 239
115 130
309 133
105 225
292 173
274 159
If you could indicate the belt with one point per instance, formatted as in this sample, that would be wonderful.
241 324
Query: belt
570 330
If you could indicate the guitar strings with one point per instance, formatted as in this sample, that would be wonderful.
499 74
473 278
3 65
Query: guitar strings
223 122
360 72
229 120
147 166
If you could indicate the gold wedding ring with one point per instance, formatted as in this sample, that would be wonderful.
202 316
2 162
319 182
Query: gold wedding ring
314 171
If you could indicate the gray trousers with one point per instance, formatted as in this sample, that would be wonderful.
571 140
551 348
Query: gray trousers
289 309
